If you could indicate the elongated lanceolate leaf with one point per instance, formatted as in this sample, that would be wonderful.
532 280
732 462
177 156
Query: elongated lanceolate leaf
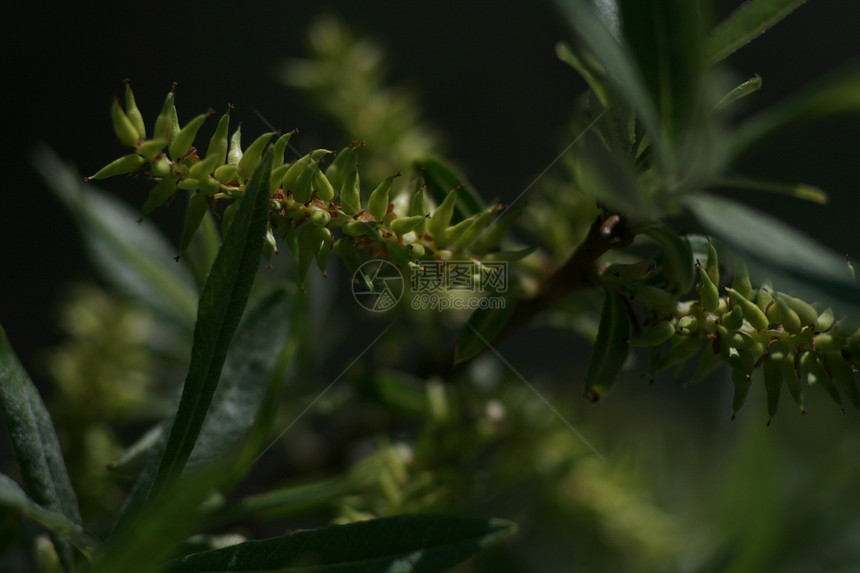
135 258
222 304
747 23
403 544
11 495
610 347
35 441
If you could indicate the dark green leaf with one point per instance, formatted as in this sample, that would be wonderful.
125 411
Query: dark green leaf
482 327
610 347
745 24
775 251
835 94
621 69
35 442
664 38
405 544
441 179
135 258
244 378
11 495
222 304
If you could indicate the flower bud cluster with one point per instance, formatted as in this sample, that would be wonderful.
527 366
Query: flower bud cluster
791 342
306 202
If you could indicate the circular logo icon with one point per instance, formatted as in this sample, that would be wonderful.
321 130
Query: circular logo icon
377 285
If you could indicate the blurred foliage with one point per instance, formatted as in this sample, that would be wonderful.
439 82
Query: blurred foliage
668 484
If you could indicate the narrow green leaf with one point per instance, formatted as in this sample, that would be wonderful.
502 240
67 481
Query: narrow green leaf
134 258
664 38
441 179
11 495
405 544
744 89
745 24
222 304
620 66
799 190
160 528
482 327
610 347
775 251
35 442
835 94
258 342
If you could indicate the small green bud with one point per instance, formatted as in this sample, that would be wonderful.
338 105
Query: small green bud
452 234
205 167
350 194
344 163
121 166
713 266
441 217
123 127
781 313
133 113
218 142
276 177
417 249
473 231
687 325
359 228
182 141
226 173
709 295
764 298
302 189
160 167
827 343
403 225
280 148
754 315
320 218
164 122
733 319
234 153
251 156
326 241
741 280
824 320
323 187
209 185
151 148
159 195
377 204
189 184
804 310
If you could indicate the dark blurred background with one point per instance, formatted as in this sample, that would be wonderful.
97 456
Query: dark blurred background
487 76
